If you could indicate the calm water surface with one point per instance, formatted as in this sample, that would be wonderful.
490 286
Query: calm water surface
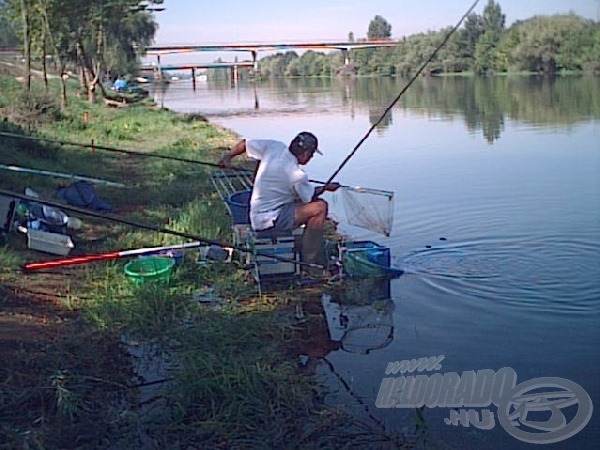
497 225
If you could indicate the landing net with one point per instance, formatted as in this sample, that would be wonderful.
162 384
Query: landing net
371 209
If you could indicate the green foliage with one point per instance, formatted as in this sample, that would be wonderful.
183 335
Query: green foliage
493 19
90 38
550 43
379 28
486 57
590 54
483 45
33 108
9 35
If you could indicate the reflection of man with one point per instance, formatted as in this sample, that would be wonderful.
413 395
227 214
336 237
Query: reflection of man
314 341
282 197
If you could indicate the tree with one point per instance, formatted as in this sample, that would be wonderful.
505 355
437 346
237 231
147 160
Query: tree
550 43
468 37
92 37
8 33
486 52
493 19
379 28
26 44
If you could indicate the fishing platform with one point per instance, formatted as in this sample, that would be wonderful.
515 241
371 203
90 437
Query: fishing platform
276 257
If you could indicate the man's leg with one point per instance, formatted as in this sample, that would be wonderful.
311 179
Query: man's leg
312 214
312 251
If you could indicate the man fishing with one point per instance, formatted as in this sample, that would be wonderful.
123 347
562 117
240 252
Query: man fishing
282 197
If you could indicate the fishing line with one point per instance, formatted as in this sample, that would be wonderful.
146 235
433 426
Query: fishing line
353 394
410 82
152 228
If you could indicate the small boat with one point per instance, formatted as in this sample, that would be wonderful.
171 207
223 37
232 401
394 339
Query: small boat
368 260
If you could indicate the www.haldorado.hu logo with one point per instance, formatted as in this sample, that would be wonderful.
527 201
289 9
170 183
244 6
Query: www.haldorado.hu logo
519 405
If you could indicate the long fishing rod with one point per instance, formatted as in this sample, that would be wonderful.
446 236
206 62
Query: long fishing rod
49 173
410 82
115 150
137 153
152 228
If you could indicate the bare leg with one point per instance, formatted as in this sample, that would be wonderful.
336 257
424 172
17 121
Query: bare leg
312 214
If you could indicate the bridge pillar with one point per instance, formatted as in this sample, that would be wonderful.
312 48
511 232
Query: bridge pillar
157 69
345 54
234 75
255 60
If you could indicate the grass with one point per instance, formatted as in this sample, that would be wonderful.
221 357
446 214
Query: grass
236 383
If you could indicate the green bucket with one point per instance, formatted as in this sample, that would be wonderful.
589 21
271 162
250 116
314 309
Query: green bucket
149 269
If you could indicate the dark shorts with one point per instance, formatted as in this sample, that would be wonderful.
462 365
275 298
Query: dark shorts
285 219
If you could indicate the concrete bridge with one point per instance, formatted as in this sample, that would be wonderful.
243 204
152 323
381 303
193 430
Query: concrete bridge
158 70
254 49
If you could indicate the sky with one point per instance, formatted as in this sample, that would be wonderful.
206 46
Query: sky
194 22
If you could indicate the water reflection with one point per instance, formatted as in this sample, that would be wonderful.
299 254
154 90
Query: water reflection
355 317
360 315
485 104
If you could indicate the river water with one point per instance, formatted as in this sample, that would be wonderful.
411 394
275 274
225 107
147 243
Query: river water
497 226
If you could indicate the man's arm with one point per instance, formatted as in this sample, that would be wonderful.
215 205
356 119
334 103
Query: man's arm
237 150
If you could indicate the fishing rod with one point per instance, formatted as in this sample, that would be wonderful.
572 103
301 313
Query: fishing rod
154 155
49 173
138 153
410 82
163 230
115 150
84 259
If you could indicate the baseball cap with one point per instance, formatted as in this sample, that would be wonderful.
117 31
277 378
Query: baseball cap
307 141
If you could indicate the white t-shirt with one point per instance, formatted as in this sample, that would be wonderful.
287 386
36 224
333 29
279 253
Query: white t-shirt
279 181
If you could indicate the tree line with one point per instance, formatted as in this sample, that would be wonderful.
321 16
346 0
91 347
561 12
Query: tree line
89 38
483 45
99 38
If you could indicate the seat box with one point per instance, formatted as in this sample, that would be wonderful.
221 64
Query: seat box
282 247
57 244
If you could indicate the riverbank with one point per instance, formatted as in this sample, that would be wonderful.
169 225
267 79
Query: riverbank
90 359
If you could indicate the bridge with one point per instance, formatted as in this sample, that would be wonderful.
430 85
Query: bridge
254 49
157 70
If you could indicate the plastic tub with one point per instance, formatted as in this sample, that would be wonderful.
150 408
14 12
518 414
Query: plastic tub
239 207
149 269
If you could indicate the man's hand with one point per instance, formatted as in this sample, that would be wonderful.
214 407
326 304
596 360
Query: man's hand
331 187
237 150
225 161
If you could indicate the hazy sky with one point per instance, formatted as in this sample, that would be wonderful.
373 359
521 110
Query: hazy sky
262 21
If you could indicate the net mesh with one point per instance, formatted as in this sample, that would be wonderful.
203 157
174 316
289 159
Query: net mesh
371 209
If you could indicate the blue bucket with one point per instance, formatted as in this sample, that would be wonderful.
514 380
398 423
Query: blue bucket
239 207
